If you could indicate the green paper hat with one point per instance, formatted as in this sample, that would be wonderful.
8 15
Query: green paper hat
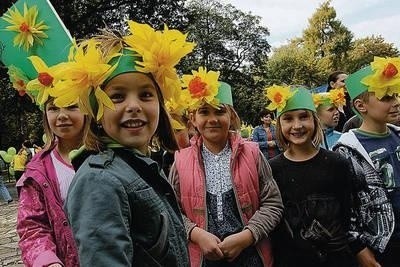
224 94
126 63
53 49
302 99
353 82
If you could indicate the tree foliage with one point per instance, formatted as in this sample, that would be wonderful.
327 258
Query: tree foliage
233 42
326 45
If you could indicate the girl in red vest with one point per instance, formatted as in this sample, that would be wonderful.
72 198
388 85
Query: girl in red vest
229 200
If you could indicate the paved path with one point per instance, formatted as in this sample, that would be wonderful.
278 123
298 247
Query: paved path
9 251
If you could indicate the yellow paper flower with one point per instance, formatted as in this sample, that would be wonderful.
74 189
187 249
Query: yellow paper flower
337 97
18 79
47 78
246 130
82 77
202 86
160 51
28 31
385 79
278 95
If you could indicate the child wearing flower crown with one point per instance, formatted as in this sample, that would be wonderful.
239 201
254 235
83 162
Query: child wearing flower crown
229 200
314 184
328 106
374 150
32 28
121 207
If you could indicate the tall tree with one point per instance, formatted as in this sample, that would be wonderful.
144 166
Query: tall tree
327 38
233 42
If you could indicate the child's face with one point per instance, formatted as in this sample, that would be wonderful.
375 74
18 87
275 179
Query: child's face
297 126
66 123
213 124
382 111
328 115
135 118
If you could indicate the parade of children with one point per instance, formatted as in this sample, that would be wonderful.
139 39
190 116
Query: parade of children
150 157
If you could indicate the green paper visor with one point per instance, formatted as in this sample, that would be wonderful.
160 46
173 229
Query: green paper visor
302 99
53 49
353 82
224 94
126 63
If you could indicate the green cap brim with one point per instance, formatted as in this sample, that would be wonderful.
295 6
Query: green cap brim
53 50
302 99
126 63
224 94
353 82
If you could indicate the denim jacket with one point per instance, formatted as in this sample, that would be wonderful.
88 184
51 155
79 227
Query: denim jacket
123 212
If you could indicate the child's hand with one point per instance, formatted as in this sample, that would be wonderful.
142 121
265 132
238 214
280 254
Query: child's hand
234 244
208 243
366 258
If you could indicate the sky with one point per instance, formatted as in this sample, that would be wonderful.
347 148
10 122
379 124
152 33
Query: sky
286 19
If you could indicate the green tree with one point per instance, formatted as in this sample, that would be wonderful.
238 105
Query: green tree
364 49
327 38
232 42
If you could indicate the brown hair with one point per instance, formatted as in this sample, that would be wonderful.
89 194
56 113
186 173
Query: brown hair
316 138
50 136
164 133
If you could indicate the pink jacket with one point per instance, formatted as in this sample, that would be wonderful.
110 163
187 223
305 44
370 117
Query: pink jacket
45 235
246 186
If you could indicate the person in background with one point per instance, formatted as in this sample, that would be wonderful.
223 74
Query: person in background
3 189
328 106
122 210
373 149
336 80
20 160
229 200
315 188
265 136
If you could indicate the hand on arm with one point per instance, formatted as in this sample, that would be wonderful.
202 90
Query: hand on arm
208 243
366 258
234 244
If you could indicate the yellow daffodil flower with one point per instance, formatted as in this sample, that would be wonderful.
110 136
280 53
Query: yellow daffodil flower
386 77
278 95
28 31
202 86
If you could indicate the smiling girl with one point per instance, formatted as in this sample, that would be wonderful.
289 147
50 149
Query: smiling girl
315 187
121 207
228 197
45 235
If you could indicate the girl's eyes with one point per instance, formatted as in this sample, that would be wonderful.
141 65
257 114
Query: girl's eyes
73 107
53 108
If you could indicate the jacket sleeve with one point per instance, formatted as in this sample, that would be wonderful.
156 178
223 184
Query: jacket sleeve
174 181
36 242
356 177
267 217
98 211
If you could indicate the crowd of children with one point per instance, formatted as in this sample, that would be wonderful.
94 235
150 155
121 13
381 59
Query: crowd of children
300 193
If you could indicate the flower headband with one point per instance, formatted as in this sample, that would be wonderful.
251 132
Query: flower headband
334 97
202 86
96 61
385 79
278 95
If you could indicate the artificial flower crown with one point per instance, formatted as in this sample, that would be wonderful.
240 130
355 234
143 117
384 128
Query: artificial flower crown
90 66
385 79
334 97
278 95
201 87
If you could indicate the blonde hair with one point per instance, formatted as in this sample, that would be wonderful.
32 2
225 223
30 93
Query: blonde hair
316 138
51 137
